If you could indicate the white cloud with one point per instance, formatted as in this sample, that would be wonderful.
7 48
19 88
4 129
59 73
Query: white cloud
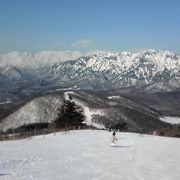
42 58
83 43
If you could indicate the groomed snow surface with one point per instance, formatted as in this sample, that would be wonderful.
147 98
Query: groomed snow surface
87 154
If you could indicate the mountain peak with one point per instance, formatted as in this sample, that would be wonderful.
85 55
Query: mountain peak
11 72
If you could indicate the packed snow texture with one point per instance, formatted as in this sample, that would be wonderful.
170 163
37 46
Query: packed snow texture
171 120
87 154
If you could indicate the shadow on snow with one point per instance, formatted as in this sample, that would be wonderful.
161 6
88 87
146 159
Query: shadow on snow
4 174
117 146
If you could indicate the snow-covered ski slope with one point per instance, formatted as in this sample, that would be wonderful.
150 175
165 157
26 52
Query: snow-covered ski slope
87 155
171 120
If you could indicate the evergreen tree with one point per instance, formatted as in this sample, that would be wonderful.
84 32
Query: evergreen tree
69 114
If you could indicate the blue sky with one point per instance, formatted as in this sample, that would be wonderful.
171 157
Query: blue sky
88 25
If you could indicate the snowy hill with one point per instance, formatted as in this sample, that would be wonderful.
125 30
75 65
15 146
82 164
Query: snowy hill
101 110
87 155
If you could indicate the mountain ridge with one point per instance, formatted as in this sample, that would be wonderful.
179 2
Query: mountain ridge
160 70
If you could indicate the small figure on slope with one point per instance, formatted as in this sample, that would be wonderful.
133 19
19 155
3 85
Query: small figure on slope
113 139
155 133
141 132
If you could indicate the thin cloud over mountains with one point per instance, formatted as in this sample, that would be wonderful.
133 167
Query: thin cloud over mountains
82 44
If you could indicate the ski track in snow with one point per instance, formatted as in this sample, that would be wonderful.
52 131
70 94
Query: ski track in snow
86 154
88 114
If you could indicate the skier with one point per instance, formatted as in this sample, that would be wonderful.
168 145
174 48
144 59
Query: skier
155 133
113 138
141 132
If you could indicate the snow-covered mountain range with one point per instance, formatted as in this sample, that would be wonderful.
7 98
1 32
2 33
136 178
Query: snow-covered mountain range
116 70
27 75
